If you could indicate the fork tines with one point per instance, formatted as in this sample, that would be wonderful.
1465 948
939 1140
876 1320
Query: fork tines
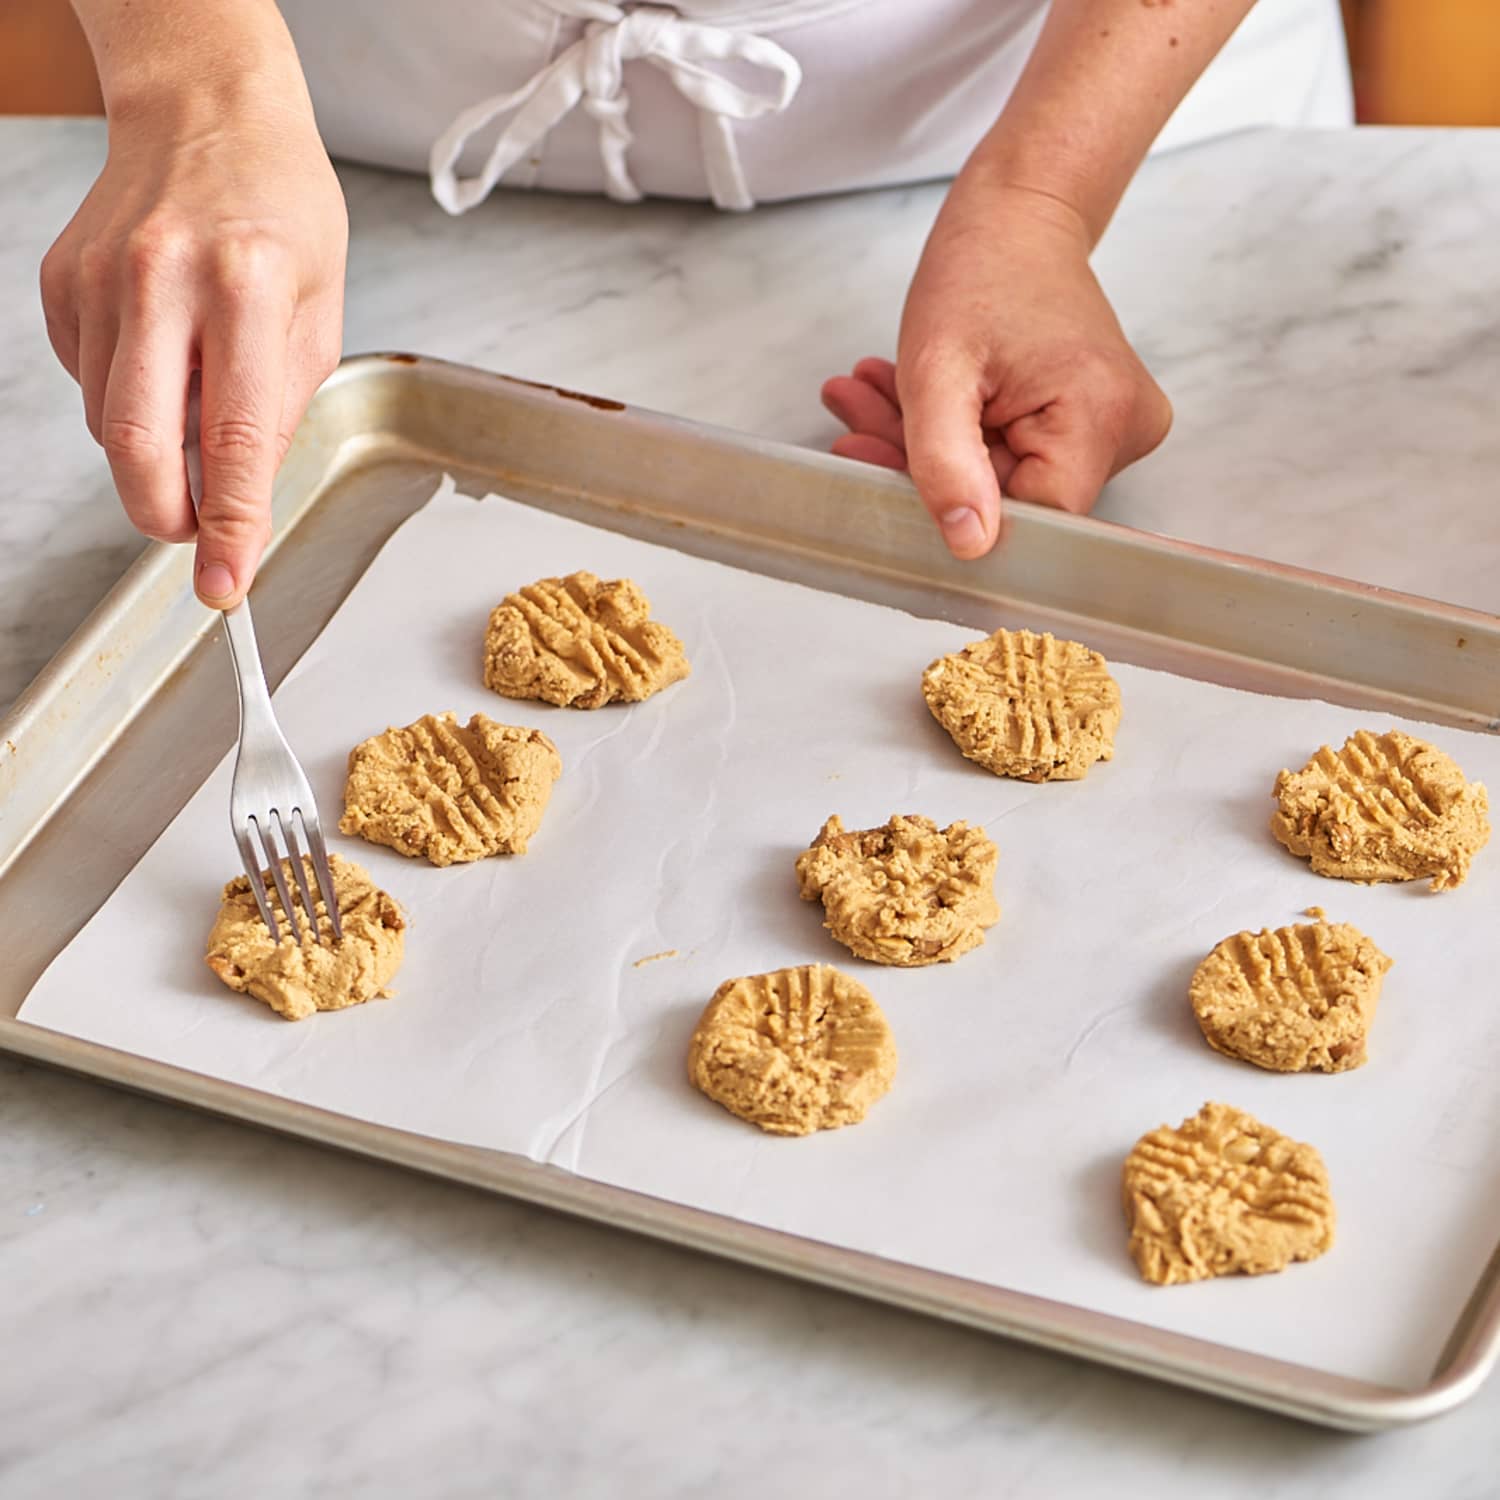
259 852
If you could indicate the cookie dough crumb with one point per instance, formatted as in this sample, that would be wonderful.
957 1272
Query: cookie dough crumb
906 894
580 643
794 1051
1384 807
1223 1194
297 979
652 958
1292 1000
1025 705
450 792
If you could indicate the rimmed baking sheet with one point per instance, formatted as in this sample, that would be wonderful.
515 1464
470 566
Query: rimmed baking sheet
1039 889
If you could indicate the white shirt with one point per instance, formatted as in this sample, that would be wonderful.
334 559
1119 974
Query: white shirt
737 101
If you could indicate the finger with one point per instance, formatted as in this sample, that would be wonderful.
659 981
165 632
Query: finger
880 373
97 336
141 427
1065 454
861 408
947 454
1002 460
60 308
869 450
313 349
244 356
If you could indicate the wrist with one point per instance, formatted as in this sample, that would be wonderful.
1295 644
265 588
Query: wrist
171 64
984 199
1037 184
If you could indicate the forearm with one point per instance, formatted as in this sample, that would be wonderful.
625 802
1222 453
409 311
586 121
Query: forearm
1102 81
153 55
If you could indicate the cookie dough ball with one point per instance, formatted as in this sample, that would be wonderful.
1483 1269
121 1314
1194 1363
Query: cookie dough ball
907 894
794 1051
1384 807
450 792
1296 999
1223 1194
580 643
296 979
1027 706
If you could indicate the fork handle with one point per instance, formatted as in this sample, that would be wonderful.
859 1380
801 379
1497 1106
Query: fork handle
256 714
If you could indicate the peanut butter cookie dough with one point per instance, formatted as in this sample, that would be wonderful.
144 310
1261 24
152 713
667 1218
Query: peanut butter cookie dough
794 1051
1027 706
907 894
297 979
580 643
450 792
1297 999
1223 1194
1384 807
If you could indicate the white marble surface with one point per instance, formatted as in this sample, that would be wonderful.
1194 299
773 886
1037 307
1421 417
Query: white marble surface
194 1309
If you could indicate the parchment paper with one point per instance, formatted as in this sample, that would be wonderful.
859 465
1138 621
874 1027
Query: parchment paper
523 1022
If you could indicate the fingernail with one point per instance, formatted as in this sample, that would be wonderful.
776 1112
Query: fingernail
215 582
962 529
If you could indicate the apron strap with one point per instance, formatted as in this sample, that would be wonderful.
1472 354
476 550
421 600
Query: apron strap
591 72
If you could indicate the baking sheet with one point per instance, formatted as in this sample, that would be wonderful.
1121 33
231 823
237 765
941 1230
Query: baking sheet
523 1023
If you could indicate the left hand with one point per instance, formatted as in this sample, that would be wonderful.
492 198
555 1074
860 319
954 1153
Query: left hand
1012 372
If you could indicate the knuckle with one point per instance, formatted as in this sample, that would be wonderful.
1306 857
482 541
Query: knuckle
232 440
235 522
155 248
96 265
130 441
250 263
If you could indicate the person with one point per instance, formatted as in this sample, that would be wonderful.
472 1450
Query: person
214 238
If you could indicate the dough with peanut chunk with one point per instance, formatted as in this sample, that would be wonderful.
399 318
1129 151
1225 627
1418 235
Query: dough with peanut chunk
1292 1000
1223 1194
1025 705
580 643
297 979
907 894
794 1051
1384 807
450 792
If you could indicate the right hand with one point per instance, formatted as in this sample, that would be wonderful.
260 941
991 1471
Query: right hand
1013 374
214 239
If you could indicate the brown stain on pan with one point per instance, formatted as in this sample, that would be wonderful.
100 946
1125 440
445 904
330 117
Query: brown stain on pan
599 403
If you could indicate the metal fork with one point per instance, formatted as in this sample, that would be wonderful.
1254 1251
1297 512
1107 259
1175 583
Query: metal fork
270 790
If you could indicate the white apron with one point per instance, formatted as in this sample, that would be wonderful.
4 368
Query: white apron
736 101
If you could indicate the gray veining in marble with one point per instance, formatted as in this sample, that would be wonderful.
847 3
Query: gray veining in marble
192 1309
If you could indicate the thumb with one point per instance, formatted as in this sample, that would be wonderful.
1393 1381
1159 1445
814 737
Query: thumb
946 453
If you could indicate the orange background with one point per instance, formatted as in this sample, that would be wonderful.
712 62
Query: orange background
1416 62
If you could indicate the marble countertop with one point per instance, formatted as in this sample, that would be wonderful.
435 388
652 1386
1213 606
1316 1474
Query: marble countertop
195 1309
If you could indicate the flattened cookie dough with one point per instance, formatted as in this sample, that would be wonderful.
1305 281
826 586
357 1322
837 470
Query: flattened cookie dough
1292 1000
296 979
794 1051
1223 1194
907 894
450 792
1027 706
1384 807
580 643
